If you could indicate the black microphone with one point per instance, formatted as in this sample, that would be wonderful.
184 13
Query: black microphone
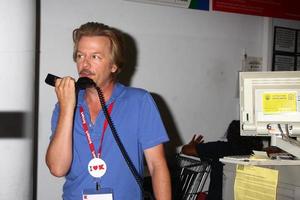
82 83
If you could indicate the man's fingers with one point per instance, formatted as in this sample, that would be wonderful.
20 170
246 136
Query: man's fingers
65 81
198 139
194 137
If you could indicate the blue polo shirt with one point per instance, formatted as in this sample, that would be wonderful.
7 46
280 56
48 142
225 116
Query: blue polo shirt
139 126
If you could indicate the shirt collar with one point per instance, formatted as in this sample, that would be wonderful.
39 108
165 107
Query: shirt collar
118 89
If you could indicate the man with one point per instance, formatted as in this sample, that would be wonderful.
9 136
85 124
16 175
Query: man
80 138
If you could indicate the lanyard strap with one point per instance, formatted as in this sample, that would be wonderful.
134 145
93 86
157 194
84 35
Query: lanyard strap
87 134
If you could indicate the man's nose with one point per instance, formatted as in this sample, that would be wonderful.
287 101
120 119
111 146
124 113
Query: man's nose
86 62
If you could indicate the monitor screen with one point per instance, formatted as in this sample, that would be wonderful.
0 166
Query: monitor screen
269 103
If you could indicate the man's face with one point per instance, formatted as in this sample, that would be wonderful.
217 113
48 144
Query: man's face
93 59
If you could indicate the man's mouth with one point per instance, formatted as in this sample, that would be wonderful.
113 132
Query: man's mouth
85 73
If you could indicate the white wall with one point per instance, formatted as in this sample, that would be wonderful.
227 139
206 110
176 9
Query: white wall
286 23
16 169
190 58
17 50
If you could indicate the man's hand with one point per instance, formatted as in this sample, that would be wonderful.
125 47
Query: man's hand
65 92
191 148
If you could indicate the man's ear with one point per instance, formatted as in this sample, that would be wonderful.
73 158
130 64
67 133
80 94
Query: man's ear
114 68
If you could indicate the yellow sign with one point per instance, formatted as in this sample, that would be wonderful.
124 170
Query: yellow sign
253 182
279 102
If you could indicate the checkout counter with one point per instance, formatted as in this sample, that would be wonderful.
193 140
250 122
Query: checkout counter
288 187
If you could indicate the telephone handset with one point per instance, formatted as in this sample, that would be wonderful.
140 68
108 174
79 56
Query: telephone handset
83 83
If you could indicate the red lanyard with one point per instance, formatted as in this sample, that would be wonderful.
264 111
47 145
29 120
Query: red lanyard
88 136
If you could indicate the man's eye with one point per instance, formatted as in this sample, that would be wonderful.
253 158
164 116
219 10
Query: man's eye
96 57
79 56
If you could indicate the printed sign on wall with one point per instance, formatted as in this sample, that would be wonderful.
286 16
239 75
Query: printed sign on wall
192 4
286 49
270 8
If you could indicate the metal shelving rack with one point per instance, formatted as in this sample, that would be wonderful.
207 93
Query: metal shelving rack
191 174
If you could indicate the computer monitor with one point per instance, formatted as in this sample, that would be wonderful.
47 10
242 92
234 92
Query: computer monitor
270 104
269 99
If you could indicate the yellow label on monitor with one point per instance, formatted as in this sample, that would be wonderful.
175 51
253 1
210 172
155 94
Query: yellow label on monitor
279 102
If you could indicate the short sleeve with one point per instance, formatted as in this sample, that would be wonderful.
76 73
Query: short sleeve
151 128
54 119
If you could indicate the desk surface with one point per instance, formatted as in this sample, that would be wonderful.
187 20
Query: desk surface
247 161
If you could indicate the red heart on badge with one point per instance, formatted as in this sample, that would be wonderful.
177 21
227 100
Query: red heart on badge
95 167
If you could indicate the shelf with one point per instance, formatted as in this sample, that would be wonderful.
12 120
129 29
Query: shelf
248 161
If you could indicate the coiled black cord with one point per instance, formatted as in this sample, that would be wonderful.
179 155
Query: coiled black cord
132 168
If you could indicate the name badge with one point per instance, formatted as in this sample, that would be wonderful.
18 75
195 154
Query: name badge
97 167
101 194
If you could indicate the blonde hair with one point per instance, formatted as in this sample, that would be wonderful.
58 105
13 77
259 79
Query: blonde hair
99 29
